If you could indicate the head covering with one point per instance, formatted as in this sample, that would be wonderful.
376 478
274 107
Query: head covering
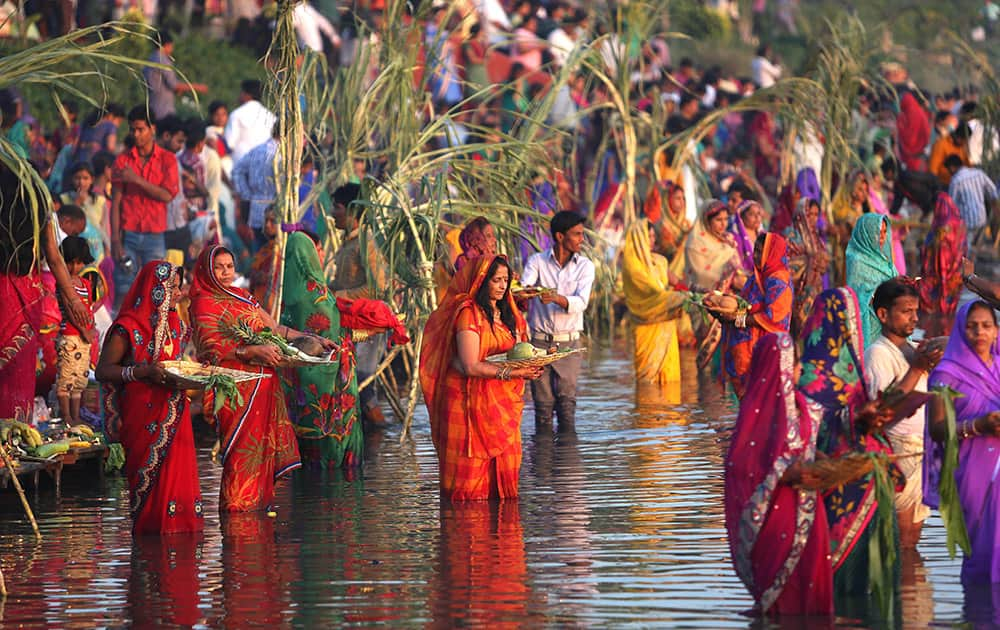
808 185
941 259
964 370
474 242
709 258
869 265
671 227
772 431
843 202
214 307
155 330
205 285
744 244
808 261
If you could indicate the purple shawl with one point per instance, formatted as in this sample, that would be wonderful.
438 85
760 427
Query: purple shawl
808 185
962 370
744 245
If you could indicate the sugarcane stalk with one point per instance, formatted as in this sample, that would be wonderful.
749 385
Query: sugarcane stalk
411 403
381 366
20 490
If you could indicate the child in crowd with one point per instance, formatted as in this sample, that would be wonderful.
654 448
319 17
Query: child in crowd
73 222
73 345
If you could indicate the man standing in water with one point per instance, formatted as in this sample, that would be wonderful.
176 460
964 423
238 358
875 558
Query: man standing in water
556 318
894 361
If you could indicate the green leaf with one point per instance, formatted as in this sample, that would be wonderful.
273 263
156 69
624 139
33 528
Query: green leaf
956 533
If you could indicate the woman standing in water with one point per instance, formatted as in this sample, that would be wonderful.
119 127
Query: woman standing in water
654 307
833 383
145 409
474 405
971 366
323 399
778 535
257 439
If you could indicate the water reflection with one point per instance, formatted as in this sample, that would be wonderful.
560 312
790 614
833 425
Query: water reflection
481 578
621 527
164 584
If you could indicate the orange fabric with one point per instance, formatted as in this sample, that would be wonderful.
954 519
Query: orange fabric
258 442
475 422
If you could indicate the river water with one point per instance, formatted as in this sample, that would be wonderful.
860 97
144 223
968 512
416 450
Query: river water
622 527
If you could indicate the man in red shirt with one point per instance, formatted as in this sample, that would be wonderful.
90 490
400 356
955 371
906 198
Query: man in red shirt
144 178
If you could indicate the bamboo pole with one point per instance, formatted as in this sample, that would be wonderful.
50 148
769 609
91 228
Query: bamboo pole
20 491
3 585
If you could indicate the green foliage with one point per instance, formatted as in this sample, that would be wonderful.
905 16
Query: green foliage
697 21
218 64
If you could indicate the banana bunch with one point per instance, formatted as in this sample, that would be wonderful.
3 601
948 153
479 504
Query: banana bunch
83 431
27 434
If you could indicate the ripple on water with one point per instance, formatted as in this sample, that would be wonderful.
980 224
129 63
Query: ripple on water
621 527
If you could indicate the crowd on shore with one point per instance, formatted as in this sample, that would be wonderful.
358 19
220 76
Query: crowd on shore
806 313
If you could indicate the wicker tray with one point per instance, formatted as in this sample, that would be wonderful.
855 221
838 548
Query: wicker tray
196 374
526 293
539 361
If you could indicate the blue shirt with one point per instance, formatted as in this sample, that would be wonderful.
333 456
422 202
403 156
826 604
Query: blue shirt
971 188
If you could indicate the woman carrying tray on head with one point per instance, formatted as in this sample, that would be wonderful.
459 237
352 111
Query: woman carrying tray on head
323 399
474 405
146 410
257 440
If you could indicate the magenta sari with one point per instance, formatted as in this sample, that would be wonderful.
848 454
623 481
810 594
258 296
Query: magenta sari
778 535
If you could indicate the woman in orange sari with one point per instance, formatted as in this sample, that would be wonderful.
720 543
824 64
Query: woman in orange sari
257 438
770 297
474 405
146 411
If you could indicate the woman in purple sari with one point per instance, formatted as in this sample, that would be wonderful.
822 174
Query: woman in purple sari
745 225
971 366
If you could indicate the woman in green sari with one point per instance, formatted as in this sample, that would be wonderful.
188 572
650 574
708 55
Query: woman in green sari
322 400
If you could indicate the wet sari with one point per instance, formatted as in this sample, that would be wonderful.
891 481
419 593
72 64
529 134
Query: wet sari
941 263
833 383
322 400
769 294
808 262
978 456
475 422
869 265
654 308
778 535
258 443
672 229
153 423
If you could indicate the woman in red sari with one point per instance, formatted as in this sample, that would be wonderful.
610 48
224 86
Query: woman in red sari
941 266
146 411
258 443
474 405
778 535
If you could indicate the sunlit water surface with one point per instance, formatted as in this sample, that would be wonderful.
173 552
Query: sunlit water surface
622 527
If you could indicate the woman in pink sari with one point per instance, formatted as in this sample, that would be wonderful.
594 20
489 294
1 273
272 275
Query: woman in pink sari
778 534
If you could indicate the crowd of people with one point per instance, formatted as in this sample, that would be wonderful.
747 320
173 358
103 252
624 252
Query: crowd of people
806 313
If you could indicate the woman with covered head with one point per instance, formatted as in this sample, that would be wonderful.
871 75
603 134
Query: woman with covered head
653 305
258 443
769 297
745 224
941 265
477 238
779 538
146 408
808 260
971 366
833 383
869 264
475 406
322 399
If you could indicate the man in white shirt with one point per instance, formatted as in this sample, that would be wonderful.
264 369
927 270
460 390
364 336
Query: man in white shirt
250 124
310 27
893 360
556 319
